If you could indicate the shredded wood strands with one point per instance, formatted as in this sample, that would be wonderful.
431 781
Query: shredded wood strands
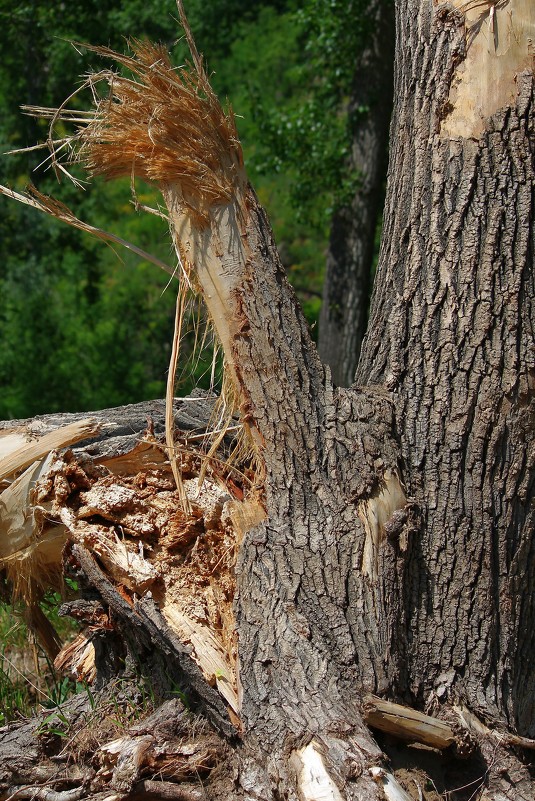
60 211
170 393
225 419
163 125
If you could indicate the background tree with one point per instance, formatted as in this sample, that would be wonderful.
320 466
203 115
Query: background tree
352 240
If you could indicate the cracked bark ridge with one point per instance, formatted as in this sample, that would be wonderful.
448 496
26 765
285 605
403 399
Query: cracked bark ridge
451 335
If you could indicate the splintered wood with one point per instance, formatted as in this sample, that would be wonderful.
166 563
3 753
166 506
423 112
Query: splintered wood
125 510
499 46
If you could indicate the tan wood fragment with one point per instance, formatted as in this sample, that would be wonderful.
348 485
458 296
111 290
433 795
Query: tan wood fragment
11 442
245 515
78 657
375 512
391 787
314 781
30 543
407 724
473 724
22 455
146 455
207 652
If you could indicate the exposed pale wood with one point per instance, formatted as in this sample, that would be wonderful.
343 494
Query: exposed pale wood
315 784
407 724
124 564
245 516
24 455
500 45
19 522
128 755
391 787
147 625
473 724
31 545
207 652
144 455
78 657
375 513
11 442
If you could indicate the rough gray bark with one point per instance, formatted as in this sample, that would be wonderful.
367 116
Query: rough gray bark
348 278
122 427
450 336
393 551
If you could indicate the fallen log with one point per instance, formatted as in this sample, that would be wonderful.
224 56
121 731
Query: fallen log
106 511
108 502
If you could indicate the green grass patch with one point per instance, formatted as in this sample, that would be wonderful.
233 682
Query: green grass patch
28 680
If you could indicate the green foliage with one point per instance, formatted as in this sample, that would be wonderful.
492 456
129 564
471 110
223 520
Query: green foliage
82 327
306 133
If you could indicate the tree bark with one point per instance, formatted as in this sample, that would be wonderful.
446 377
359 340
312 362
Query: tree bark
348 278
383 533
451 337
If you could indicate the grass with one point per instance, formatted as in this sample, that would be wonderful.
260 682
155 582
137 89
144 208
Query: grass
27 676
29 683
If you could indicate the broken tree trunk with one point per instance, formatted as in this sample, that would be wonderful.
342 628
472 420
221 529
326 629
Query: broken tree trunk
156 591
379 539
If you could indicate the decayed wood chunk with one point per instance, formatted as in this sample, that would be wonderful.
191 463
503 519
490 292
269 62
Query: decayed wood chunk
119 502
78 658
123 563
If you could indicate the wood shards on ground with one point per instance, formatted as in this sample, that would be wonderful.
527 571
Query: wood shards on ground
115 496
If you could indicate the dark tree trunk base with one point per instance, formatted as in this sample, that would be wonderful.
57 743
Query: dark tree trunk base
133 738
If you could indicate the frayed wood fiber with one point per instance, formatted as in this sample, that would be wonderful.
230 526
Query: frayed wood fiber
163 125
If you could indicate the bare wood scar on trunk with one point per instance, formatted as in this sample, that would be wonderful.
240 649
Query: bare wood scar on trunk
500 45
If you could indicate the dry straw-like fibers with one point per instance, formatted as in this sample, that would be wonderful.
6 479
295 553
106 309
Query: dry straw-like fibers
166 126
163 125
157 122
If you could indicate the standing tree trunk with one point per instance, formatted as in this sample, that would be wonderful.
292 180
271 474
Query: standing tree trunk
386 544
348 278
451 338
